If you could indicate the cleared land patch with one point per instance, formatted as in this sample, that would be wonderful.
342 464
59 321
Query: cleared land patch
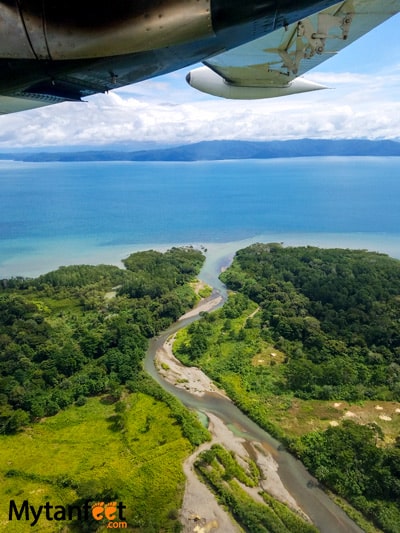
81 453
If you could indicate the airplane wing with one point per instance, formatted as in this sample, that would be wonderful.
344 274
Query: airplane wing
273 64
52 52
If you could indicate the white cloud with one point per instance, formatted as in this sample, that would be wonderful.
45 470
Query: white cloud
166 110
333 79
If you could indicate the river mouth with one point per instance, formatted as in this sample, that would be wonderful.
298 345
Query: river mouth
304 488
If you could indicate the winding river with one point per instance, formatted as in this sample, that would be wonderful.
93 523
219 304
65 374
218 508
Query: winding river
325 514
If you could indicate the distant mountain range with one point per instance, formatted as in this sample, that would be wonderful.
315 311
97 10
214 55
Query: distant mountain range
220 150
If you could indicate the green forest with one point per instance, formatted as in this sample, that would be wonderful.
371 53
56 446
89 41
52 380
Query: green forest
306 332
73 394
335 313
83 330
308 345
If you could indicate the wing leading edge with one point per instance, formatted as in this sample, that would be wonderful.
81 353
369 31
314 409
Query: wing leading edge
272 65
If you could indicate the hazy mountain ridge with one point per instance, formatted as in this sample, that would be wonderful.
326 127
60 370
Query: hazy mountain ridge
222 150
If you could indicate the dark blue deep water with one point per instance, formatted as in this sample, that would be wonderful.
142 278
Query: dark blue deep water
52 213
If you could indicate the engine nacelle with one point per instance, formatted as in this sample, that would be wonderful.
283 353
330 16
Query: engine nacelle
206 80
75 30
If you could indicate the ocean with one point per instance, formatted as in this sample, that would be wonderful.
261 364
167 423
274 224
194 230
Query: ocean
54 214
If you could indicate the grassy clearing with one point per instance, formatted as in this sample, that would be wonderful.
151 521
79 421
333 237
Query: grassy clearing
80 453
250 369
298 417
268 356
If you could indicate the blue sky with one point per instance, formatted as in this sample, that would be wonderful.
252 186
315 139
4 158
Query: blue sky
363 103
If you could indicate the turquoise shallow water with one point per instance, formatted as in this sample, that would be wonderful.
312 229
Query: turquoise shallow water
63 213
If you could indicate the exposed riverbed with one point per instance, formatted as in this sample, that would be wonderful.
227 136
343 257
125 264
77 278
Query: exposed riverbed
286 477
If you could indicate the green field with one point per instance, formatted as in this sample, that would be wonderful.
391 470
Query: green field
82 454
72 344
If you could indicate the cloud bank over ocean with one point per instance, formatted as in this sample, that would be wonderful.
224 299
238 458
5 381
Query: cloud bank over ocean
363 103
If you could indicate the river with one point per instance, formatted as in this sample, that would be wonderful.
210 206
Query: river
324 513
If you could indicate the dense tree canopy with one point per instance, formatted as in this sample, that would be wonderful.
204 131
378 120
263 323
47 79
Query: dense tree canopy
322 326
83 330
348 459
335 313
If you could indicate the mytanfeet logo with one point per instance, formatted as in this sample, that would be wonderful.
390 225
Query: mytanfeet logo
112 512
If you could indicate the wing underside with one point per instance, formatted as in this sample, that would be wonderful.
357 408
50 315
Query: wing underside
272 65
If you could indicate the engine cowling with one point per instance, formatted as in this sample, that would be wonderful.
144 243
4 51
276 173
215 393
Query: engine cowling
76 30
207 81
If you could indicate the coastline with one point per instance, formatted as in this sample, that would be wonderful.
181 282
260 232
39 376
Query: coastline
31 258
